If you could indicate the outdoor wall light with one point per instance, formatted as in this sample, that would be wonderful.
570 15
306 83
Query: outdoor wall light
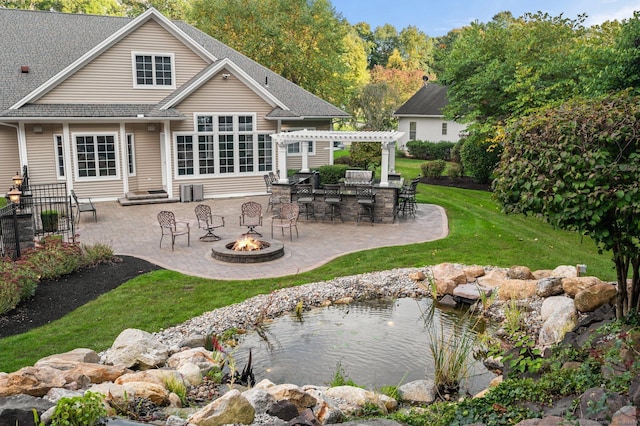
14 195
226 76
17 180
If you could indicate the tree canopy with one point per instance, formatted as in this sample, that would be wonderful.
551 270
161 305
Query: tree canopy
302 40
577 165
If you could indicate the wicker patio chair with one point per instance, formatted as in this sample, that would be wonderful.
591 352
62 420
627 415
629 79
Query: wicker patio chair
288 218
170 226
251 216
208 222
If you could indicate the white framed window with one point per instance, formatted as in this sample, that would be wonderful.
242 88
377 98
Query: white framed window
413 126
59 147
444 128
223 144
96 155
153 70
295 148
131 155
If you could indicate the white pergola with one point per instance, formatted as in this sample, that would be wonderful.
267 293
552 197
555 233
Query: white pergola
388 140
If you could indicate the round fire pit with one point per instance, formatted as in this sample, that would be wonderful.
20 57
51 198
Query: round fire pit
271 250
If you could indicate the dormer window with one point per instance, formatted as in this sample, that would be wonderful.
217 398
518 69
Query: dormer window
153 70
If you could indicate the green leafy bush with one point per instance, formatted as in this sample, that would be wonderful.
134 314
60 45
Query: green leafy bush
479 160
332 174
54 258
454 170
343 160
426 150
96 253
433 168
84 410
49 220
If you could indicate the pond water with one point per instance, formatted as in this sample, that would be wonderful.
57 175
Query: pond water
376 342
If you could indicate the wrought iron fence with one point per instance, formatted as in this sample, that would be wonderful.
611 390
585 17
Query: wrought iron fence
9 238
51 208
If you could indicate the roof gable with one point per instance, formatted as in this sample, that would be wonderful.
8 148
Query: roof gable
205 75
150 14
429 100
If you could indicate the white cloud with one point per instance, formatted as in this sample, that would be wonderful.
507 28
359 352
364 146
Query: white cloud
613 13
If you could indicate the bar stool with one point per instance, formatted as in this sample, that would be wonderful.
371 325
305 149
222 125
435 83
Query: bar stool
333 200
305 198
366 198
407 198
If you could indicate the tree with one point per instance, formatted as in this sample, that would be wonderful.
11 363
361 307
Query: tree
366 154
173 9
373 106
577 165
417 49
302 40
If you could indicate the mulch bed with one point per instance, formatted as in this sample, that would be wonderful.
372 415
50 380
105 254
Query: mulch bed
55 298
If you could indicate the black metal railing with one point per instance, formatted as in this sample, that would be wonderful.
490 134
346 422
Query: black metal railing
9 232
51 208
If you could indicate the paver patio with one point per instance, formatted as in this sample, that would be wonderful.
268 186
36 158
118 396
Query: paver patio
134 231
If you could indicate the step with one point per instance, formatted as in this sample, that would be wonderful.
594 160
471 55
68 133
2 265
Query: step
145 195
140 201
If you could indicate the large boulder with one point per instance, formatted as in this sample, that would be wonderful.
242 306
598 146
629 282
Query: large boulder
231 408
34 381
574 285
550 286
326 410
551 305
471 292
137 349
418 392
95 373
555 327
517 289
520 273
351 399
201 357
18 409
260 400
493 278
591 298
68 360
290 392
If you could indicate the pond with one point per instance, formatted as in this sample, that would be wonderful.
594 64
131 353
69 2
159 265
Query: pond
376 343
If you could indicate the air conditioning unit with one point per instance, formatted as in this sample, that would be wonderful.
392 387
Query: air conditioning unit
186 193
198 192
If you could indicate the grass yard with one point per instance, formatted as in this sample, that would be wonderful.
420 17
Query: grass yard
479 234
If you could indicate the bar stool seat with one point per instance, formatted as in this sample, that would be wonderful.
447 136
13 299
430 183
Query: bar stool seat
305 198
333 201
366 198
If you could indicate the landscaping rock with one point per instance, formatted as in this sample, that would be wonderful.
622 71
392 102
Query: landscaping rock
551 286
591 298
199 356
471 292
573 285
557 325
626 416
492 279
554 304
351 399
96 373
34 381
68 360
306 418
18 409
137 349
520 273
418 392
231 408
290 392
517 289
600 404
283 410
326 410
260 400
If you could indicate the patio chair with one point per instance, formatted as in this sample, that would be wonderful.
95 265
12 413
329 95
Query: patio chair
288 218
366 198
251 216
208 222
333 200
170 226
84 206
273 199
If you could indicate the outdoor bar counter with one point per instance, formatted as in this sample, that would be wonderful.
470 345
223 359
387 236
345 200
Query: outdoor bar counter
385 199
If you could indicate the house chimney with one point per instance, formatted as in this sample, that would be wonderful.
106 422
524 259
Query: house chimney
24 69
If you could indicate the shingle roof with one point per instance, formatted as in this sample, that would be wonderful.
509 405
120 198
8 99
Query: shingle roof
90 110
47 42
429 100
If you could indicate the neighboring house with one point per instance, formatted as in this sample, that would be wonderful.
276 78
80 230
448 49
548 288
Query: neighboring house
114 106
421 118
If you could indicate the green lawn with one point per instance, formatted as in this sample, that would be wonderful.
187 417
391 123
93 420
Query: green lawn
479 234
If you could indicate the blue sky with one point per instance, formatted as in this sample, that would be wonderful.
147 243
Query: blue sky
438 17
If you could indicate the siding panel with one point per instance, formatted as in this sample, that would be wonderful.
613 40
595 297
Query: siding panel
109 77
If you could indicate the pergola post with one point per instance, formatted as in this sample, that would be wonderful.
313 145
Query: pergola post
384 179
304 147
282 161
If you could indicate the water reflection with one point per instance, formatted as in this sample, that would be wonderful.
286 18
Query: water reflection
377 343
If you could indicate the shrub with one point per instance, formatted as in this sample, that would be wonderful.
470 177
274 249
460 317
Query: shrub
478 160
454 170
84 410
455 151
332 174
433 168
343 160
96 253
426 150
49 220
54 258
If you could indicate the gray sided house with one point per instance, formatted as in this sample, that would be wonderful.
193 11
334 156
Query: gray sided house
113 106
421 117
